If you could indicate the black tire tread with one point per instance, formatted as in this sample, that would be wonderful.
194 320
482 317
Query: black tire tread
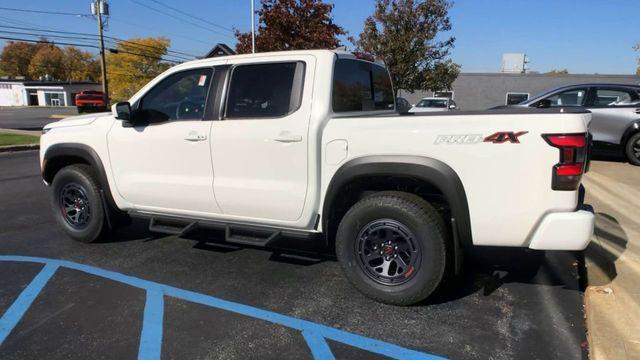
410 203
87 171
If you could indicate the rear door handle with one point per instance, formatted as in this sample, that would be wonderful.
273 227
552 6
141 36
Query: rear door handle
286 137
194 136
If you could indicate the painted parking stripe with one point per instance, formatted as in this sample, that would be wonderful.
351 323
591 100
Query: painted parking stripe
151 337
15 312
318 345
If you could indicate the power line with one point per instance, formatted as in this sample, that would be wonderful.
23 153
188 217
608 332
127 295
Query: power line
94 37
90 46
178 18
88 15
79 38
192 16
154 29
43 12
25 23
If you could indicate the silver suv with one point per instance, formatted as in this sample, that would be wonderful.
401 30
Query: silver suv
615 108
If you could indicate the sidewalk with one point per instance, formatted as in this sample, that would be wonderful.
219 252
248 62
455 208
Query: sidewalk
612 299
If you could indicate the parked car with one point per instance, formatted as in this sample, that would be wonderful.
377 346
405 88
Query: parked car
307 145
433 104
90 101
615 109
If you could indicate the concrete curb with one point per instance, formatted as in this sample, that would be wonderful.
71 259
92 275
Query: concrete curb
14 148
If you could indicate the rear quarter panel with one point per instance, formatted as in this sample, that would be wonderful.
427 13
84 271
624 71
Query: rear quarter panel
508 185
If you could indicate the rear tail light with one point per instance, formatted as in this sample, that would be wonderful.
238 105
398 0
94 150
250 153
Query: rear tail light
573 156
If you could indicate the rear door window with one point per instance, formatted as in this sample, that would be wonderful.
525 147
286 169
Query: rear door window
268 90
616 97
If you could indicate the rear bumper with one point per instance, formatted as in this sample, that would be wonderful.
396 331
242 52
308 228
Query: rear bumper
565 230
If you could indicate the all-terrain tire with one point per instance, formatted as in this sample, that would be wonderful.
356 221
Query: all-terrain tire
403 217
76 187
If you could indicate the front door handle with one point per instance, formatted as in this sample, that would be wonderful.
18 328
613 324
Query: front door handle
287 137
637 111
194 136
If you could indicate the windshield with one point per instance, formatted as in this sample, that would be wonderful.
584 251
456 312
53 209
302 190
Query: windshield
432 103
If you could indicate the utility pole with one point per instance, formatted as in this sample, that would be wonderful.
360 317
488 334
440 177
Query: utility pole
99 8
253 29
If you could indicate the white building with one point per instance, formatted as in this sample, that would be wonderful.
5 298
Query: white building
42 93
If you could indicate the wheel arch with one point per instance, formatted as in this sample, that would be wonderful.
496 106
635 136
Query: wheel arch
631 129
429 170
58 156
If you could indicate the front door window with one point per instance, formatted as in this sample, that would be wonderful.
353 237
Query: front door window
573 97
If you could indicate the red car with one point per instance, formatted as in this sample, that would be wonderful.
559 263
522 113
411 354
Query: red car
90 100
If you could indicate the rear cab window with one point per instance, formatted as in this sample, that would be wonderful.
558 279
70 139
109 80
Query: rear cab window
361 86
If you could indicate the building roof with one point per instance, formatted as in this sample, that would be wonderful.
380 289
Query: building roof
498 74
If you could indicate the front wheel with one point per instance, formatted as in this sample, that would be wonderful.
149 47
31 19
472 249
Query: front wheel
392 247
77 204
632 149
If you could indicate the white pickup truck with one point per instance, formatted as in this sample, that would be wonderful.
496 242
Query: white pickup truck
307 145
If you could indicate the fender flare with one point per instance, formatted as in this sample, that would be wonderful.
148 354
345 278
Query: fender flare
426 169
631 129
84 152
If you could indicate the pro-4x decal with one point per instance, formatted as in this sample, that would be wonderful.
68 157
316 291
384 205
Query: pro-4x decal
504 136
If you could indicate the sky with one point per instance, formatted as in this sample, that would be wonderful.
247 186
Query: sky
583 36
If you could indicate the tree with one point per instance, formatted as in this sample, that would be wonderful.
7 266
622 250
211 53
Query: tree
136 62
48 61
80 65
403 33
292 25
637 48
16 57
556 72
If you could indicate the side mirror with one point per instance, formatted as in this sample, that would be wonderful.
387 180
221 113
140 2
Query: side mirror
122 111
544 103
452 107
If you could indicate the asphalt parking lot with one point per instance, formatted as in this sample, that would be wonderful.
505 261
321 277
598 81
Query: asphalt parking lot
31 118
222 301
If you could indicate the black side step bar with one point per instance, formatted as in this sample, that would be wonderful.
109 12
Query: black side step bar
234 233
171 228
250 237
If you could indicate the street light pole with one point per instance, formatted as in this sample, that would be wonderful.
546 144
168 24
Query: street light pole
100 8
253 29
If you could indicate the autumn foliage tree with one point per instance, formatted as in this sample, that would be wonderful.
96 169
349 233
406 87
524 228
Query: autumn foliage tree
558 72
292 25
46 60
136 62
16 57
407 36
81 65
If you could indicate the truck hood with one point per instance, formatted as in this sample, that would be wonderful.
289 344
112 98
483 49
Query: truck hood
79 120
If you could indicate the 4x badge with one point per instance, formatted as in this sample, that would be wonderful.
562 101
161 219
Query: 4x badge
499 137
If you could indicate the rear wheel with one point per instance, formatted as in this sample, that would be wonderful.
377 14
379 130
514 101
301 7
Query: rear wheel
392 247
632 149
77 204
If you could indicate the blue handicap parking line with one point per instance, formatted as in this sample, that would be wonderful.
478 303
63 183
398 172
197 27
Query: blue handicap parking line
315 335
